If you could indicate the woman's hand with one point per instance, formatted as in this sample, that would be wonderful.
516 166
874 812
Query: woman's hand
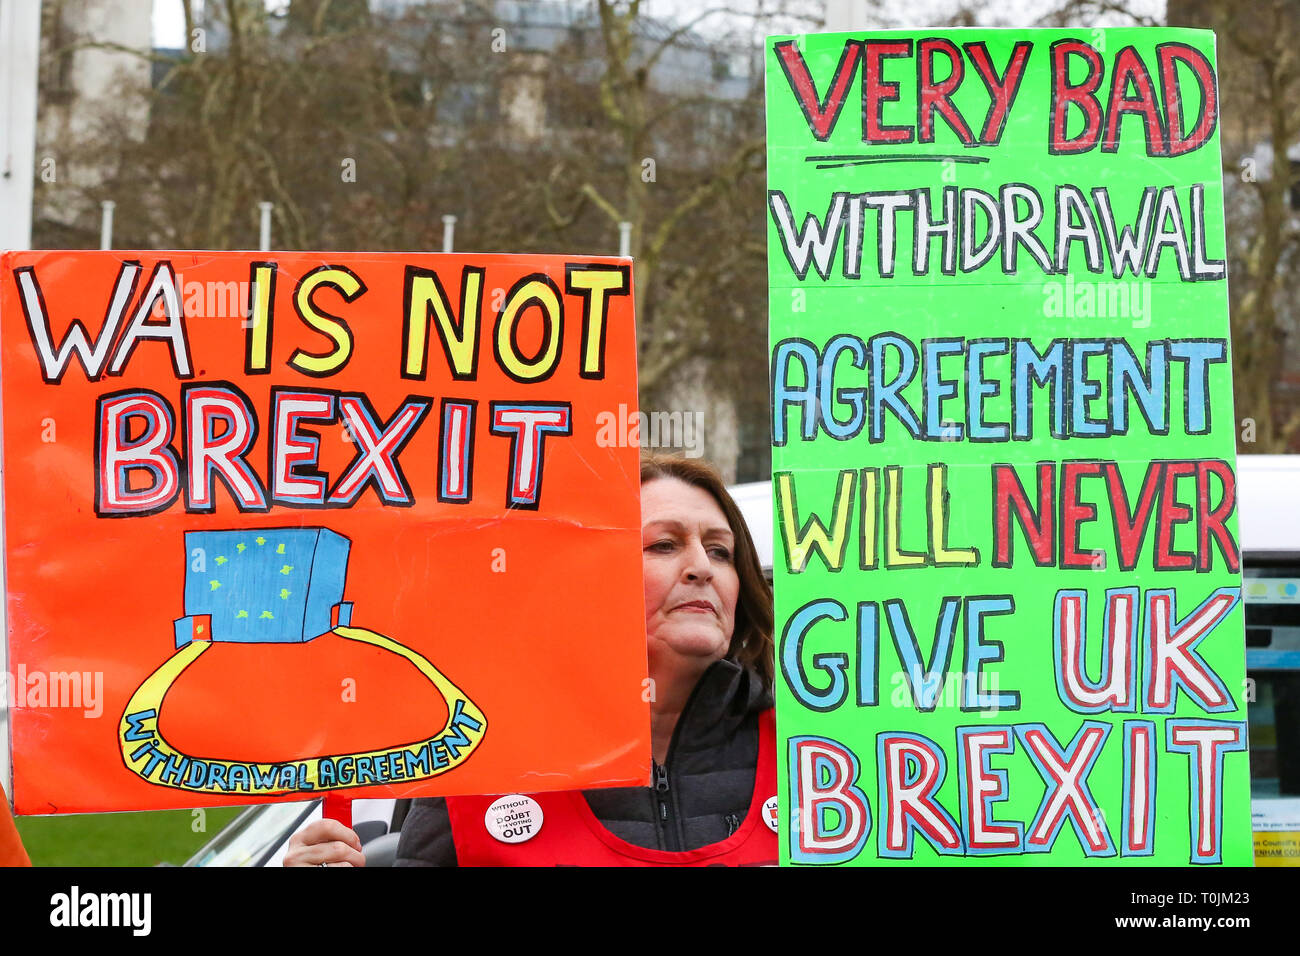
325 843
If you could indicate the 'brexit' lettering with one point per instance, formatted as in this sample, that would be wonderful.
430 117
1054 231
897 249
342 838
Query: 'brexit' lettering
832 820
141 469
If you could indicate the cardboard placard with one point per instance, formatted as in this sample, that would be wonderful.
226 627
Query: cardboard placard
1007 573
278 524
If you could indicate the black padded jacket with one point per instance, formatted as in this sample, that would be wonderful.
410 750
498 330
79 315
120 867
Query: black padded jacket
701 793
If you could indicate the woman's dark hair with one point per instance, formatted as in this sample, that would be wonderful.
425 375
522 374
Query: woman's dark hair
751 640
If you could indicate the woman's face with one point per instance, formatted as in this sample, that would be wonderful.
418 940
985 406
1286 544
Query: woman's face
691 582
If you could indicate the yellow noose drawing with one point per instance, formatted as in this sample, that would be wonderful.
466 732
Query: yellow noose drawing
280 585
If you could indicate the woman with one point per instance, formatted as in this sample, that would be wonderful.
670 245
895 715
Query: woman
709 645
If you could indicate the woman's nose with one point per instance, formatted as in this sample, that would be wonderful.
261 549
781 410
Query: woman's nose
697 565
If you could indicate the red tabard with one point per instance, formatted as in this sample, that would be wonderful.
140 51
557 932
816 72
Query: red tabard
570 834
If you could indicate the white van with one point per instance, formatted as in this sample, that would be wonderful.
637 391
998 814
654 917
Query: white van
1269 508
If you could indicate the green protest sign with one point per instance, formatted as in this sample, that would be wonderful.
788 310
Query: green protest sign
1007 573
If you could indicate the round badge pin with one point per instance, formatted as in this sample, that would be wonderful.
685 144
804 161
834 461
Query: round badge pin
513 818
770 813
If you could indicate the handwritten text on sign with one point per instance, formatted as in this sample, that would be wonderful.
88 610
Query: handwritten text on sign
305 517
1003 450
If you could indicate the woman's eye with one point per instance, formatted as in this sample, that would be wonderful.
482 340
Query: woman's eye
722 553
661 546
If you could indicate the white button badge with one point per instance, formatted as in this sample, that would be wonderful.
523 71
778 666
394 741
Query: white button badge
513 818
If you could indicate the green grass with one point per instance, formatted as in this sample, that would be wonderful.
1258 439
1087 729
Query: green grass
120 839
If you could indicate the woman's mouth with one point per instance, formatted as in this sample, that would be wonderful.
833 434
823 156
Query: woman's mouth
703 607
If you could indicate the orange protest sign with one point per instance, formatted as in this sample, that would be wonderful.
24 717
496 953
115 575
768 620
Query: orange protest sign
284 524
